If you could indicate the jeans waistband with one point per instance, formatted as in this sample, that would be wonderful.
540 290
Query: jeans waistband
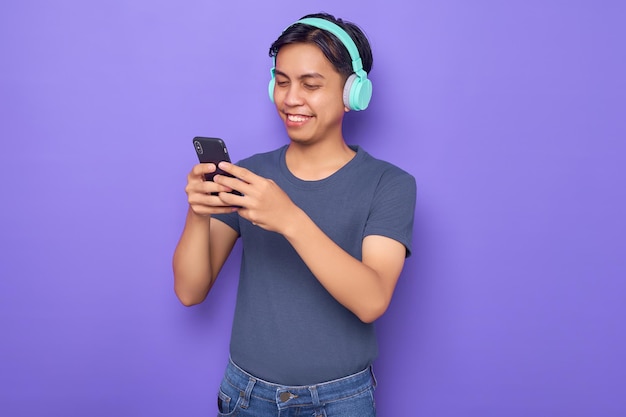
287 396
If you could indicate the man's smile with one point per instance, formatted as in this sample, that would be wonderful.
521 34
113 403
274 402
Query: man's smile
298 118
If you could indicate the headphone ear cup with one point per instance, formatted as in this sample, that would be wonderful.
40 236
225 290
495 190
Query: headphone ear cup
361 93
347 91
271 85
357 92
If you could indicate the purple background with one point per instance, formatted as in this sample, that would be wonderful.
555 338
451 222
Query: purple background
510 114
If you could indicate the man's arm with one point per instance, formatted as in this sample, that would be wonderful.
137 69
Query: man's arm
200 254
205 242
364 287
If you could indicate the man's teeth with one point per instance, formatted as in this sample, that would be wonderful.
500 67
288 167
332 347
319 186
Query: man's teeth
297 118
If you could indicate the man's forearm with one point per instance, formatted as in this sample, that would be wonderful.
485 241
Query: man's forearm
193 276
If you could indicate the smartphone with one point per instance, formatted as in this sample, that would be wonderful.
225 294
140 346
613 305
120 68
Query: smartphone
212 150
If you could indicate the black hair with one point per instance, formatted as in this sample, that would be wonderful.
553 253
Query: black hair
334 50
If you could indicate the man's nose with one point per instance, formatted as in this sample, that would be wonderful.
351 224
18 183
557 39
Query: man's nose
293 96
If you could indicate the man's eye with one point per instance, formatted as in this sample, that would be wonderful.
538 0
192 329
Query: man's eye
282 83
312 86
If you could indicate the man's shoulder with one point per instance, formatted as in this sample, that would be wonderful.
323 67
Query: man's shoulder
385 168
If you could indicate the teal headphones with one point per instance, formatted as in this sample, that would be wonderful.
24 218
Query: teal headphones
357 91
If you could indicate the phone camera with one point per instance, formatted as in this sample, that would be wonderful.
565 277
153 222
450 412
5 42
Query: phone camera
198 146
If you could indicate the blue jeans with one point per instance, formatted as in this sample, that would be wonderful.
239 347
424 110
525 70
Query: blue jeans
242 394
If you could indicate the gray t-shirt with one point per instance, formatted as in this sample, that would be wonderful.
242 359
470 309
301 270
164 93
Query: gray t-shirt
287 328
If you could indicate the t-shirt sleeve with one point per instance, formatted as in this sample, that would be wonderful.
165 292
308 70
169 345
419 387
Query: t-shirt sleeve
393 208
231 219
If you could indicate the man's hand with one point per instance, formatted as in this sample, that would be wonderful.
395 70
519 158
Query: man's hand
263 202
200 192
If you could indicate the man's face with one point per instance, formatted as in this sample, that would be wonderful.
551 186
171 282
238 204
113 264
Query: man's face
308 94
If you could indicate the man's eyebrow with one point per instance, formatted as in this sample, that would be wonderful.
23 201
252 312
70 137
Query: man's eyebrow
303 76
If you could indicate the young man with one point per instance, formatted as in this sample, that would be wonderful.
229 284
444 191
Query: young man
325 229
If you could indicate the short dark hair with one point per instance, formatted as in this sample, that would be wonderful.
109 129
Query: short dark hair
330 45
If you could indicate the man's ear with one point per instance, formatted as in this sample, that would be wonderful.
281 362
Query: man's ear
346 109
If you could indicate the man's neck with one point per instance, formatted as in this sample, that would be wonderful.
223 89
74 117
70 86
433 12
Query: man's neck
319 161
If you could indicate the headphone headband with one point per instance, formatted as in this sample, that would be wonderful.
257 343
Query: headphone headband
348 42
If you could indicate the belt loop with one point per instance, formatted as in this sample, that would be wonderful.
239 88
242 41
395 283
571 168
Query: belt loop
319 408
374 382
246 395
314 397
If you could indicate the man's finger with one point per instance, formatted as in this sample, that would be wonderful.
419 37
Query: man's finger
206 168
239 172
229 183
